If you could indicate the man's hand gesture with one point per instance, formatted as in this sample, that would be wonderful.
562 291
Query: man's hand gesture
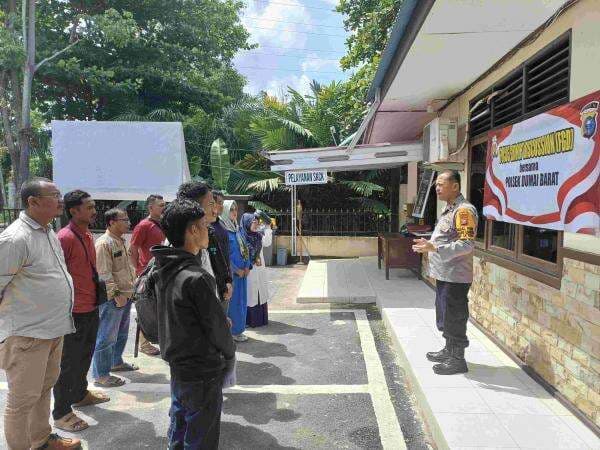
422 245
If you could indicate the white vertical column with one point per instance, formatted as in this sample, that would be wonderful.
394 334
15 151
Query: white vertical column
293 222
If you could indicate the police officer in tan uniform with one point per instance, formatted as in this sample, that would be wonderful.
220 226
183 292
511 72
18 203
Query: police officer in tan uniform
450 252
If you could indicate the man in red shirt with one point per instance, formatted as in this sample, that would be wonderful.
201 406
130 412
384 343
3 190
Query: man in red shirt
146 234
77 243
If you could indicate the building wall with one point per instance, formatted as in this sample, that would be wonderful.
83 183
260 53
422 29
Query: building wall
334 246
556 332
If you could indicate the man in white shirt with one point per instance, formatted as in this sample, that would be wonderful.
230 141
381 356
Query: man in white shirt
36 300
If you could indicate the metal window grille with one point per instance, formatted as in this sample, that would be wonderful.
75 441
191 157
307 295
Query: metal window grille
539 84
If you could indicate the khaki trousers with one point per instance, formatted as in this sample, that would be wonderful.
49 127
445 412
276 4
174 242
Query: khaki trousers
32 367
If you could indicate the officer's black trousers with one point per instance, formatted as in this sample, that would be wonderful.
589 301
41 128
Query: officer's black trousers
452 311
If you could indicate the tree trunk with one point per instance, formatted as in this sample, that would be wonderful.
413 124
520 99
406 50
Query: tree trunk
28 72
7 129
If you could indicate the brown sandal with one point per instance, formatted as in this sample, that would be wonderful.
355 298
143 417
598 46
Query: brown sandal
71 423
110 382
92 398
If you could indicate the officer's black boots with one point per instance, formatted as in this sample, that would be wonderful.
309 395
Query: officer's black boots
440 356
454 364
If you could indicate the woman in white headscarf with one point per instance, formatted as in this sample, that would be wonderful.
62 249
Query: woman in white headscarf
240 267
258 284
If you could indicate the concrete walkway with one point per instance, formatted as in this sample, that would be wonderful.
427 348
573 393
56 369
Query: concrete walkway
495 405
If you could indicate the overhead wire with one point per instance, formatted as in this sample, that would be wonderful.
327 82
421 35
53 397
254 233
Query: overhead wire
321 25
296 5
300 70
283 55
296 31
301 49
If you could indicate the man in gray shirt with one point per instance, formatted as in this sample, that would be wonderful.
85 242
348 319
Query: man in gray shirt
36 299
450 252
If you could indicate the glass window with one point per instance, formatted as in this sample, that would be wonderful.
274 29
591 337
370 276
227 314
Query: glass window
540 243
503 235
478 159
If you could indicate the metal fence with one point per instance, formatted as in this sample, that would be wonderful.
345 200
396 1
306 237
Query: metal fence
315 222
7 216
335 222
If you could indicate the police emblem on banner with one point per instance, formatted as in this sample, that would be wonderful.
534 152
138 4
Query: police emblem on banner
494 146
589 119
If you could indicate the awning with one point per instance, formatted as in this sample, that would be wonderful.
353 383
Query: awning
339 159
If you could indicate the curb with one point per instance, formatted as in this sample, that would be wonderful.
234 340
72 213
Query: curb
439 441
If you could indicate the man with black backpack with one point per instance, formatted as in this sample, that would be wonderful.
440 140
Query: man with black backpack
145 235
193 333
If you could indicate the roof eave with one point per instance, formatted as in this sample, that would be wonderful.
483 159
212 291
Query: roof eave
410 18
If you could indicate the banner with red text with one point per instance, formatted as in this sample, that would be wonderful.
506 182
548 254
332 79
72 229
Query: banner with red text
544 171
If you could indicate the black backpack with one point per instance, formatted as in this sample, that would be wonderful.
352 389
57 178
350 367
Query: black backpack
144 296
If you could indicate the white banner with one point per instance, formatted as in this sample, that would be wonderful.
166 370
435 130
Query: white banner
544 171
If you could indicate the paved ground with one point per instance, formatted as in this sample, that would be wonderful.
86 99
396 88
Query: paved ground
315 378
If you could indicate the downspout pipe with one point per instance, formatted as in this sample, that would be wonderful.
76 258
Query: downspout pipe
409 20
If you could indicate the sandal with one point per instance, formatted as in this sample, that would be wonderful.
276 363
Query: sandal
92 398
71 423
110 382
149 349
125 367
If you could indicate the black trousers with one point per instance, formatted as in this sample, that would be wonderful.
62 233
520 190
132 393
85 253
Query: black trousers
78 349
452 311
196 413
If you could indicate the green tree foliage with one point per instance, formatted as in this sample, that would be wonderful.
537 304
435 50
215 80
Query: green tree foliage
180 58
302 122
369 23
93 59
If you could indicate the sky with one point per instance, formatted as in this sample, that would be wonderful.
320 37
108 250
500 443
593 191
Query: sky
299 40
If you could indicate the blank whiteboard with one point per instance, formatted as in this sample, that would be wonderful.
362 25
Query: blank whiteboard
119 160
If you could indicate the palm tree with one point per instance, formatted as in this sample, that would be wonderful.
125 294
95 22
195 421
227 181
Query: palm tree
298 121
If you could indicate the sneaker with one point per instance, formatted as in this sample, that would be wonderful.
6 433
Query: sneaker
56 442
240 337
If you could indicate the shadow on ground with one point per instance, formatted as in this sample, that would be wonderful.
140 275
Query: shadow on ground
260 374
279 328
239 437
257 409
264 349
119 430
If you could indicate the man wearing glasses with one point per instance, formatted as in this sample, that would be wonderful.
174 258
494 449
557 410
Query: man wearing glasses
116 270
36 298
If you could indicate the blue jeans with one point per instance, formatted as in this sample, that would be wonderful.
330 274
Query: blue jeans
112 337
195 414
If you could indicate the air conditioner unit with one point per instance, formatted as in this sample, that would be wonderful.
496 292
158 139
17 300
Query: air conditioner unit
439 140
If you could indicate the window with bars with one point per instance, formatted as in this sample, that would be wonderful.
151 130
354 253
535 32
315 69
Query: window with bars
539 84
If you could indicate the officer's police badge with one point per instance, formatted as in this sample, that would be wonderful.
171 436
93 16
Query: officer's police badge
589 119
